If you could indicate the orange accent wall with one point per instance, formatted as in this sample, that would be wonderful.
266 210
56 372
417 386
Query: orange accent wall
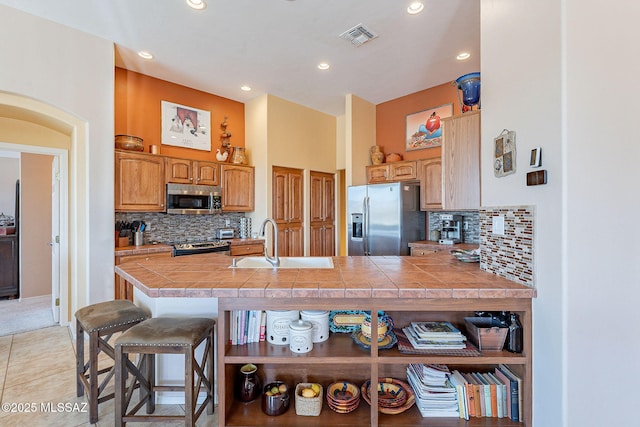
137 112
391 119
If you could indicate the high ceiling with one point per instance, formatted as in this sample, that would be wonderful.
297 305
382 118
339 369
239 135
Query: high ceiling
274 46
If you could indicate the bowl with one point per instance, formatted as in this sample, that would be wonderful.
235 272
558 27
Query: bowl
129 142
343 396
276 404
390 393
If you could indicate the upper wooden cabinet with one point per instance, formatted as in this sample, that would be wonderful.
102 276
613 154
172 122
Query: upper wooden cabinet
237 183
392 172
287 195
139 182
453 182
185 171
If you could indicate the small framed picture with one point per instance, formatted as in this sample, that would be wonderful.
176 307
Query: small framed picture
185 127
536 158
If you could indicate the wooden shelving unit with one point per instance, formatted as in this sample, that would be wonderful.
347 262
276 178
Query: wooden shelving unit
339 358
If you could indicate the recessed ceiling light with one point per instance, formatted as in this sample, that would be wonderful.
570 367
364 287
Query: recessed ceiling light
462 56
145 55
245 88
197 4
415 8
323 66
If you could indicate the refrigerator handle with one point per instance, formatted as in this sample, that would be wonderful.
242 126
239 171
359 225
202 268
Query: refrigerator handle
365 226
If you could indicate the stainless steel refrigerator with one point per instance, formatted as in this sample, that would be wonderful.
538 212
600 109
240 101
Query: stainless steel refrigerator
384 218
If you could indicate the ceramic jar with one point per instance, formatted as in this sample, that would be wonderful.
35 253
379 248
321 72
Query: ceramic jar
278 322
377 156
320 321
300 340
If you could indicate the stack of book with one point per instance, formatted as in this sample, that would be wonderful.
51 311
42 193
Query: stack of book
247 326
434 336
435 395
494 394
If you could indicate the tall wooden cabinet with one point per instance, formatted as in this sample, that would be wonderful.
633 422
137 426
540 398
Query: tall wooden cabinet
237 183
9 285
139 182
287 209
452 182
322 210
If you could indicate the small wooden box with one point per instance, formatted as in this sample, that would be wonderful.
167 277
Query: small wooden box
121 242
483 335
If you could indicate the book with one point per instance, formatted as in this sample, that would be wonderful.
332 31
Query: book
514 392
431 330
485 396
518 380
477 402
501 394
263 325
429 344
493 393
461 388
509 392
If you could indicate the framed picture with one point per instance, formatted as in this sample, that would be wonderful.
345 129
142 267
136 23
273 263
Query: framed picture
504 162
424 129
185 127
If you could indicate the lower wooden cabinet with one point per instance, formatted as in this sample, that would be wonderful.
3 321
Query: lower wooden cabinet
290 240
124 289
247 250
323 240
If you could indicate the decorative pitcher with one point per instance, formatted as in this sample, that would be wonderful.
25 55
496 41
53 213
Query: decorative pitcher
238 157
248 384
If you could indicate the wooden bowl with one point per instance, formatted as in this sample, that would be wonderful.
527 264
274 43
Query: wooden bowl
129 142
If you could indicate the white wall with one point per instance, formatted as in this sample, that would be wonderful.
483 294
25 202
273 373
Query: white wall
77 79
557 74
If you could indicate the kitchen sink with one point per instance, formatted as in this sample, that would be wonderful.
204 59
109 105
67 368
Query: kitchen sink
286 262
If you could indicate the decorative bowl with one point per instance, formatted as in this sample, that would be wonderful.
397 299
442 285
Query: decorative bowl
343 392
129 142
275 404
390 393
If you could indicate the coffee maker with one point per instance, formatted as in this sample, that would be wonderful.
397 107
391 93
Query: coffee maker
451 231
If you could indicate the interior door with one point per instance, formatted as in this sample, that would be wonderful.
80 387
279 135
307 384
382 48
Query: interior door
55 238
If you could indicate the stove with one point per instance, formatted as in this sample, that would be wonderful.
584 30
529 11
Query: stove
201 247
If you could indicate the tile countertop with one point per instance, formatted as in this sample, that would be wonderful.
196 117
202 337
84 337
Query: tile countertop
149 249
208 275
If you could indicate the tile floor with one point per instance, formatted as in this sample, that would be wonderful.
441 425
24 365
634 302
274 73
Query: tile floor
33 377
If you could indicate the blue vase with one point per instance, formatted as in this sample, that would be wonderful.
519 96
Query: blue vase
469 84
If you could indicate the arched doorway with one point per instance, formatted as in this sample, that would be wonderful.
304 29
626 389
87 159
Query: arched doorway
27 125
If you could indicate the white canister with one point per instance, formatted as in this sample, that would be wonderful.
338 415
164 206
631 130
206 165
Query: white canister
278 325
300 332
320 321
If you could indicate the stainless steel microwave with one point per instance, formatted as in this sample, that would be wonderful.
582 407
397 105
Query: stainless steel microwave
189 199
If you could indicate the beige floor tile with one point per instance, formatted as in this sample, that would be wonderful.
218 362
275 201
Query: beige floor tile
106 414
39 365
5 349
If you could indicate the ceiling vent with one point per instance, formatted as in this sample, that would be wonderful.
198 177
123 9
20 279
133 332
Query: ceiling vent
358 35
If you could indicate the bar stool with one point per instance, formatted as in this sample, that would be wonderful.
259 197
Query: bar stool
164 335
100 321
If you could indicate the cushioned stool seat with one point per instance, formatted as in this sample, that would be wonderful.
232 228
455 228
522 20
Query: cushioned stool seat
100 321
164 335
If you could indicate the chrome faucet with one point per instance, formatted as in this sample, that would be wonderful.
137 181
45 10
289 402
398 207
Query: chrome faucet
275 261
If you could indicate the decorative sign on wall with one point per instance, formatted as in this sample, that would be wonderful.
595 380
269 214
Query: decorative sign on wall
185 127
424 129
504 162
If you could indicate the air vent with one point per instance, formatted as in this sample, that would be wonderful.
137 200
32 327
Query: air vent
358 35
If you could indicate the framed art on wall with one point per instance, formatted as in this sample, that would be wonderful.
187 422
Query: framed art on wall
504 162
424 128
185 127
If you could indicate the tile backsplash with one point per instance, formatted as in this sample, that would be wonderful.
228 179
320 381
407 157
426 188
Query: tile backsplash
509 255
171 228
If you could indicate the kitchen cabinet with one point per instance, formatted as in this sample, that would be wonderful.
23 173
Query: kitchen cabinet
185 171
393 172
322 214
139 182
338 358
453 181
287 209
248 249
124 289
290 240
9 268
237 184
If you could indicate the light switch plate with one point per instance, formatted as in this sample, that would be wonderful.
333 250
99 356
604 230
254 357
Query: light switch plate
497 225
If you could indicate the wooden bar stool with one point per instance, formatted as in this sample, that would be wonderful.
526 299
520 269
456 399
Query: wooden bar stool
164 335
100 321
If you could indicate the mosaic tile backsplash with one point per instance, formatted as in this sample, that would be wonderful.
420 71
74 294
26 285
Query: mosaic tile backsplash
511 255
171 228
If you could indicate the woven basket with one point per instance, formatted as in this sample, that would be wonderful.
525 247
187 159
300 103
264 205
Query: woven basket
308 406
